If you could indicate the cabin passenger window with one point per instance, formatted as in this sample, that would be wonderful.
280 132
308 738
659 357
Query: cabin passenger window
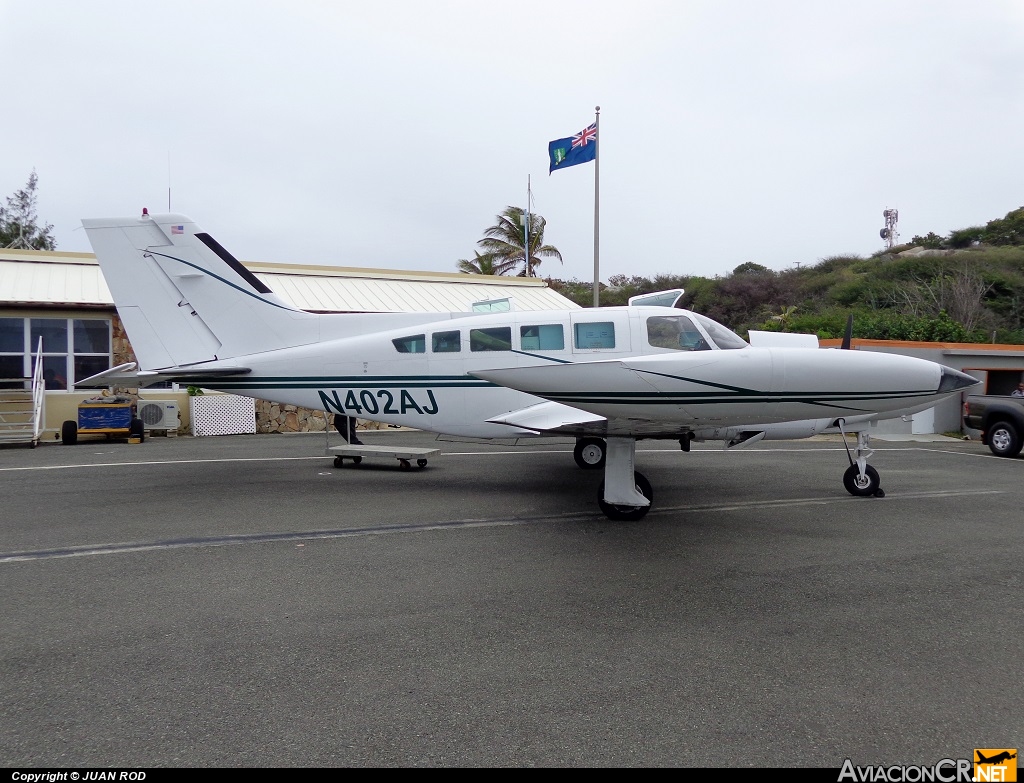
445 342
600 334
544 337
416 343
494 339
676 332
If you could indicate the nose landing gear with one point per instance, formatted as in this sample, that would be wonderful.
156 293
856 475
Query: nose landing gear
860 479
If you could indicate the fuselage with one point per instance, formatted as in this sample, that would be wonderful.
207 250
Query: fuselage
648 371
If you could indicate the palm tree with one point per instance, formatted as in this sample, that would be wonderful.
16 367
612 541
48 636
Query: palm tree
505 242
785 317
483 264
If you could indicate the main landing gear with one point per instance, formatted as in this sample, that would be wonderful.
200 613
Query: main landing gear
624 495
860 479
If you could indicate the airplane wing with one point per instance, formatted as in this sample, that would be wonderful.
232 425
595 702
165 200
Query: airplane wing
557 419
553 417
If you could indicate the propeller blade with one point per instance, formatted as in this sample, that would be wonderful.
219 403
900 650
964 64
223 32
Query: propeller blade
849 333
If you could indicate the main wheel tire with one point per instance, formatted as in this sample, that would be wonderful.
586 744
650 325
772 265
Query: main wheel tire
590 453
339 462
861 486
69 433
627 513
136 429
421 463
1003 440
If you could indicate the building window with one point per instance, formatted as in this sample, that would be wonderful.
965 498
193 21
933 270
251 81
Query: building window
493 306
73 349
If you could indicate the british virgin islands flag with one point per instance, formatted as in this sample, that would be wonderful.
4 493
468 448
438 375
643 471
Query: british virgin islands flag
581 148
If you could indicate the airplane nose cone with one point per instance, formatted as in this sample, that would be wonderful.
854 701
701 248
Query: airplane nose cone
954 380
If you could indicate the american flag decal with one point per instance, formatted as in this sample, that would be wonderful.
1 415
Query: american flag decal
585 136
177 229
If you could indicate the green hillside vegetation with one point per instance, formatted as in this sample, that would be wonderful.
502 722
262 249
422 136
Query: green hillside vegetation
966 287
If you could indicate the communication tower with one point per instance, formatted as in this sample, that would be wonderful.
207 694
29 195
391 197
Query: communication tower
889 233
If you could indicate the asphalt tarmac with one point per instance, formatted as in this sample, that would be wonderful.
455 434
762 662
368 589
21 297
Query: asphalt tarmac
238 601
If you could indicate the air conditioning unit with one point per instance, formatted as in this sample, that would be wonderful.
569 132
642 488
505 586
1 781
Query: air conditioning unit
159 414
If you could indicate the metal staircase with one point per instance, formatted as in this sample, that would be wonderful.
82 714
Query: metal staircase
23 406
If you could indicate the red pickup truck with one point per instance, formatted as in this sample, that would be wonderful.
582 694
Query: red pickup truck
1000 419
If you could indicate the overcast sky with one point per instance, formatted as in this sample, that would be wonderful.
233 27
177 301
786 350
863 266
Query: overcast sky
389 134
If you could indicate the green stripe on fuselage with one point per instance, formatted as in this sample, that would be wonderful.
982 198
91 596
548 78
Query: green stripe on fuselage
334 381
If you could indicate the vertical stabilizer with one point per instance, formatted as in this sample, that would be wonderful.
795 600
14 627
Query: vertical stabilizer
184 299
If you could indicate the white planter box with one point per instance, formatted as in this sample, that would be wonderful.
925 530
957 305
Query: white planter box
222 414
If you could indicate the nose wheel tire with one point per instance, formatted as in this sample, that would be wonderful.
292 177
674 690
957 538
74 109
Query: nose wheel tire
589 453
627 513
862 486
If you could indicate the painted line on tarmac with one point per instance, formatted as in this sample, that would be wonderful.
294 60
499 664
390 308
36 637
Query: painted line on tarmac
266 538
517 453
826 501
461 524
159 462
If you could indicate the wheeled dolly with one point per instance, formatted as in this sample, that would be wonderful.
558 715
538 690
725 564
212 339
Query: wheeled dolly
404 456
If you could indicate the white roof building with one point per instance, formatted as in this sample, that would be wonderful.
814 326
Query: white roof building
34 278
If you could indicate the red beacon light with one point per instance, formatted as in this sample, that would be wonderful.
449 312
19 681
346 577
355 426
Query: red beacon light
145 212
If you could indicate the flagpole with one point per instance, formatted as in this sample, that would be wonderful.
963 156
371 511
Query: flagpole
597 206
526 224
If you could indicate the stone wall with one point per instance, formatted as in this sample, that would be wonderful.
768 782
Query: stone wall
275 417
122 349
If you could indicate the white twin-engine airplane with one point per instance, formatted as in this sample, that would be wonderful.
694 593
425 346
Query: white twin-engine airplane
608 376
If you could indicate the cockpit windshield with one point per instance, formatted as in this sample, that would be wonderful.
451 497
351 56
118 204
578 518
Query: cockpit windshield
726 339
680 333
675 332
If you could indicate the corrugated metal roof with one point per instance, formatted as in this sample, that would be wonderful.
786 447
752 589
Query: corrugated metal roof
36 277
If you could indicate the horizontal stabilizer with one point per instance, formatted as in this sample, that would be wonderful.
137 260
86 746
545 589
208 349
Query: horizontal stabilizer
111 377
127 375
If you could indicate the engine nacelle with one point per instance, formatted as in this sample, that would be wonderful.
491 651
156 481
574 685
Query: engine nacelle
738 437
